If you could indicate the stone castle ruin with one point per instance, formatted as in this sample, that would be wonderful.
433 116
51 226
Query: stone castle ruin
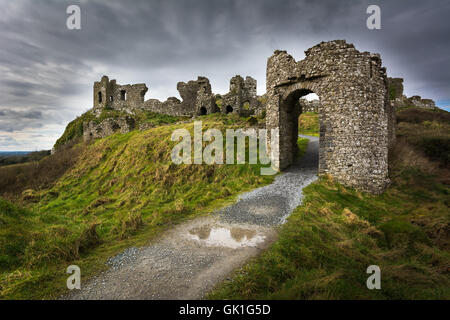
197 98
399 100
242 98
356 108
355 116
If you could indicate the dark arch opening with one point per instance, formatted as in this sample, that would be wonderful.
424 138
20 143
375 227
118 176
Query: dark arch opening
203 111
291 110
123 95
100 97
229 109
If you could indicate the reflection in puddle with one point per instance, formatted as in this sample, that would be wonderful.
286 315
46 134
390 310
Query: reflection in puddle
226 237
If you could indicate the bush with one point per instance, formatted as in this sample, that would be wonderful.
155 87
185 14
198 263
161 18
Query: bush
437 148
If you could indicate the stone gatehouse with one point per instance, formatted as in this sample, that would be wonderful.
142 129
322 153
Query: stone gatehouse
355 116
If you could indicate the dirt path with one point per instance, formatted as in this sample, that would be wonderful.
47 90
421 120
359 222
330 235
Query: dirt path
189 260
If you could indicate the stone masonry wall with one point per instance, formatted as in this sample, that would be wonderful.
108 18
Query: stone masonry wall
399 100
309 106
197 99
242 98
355 125
110 95
107 127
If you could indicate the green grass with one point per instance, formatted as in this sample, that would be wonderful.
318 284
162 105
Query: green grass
328 242
123 191
308 124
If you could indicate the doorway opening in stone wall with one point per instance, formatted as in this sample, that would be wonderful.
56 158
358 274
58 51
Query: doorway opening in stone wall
203 111
229 109
299 112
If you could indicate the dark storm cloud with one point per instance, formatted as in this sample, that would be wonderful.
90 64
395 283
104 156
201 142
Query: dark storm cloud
11 120
47 69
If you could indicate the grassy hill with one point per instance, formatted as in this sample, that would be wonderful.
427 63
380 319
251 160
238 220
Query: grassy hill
122 191
308 124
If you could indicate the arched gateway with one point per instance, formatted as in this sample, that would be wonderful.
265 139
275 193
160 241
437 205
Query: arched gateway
356 118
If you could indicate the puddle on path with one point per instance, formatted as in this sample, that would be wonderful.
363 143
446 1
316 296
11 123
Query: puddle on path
226 237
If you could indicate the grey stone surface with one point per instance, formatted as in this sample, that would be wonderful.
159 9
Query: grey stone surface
242 98
356 118
110 95
309 106
107 127
197 98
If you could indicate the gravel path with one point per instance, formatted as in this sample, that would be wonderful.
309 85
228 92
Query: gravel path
189 260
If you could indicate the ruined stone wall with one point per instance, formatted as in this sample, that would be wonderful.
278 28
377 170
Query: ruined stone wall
309 106
107 127
197 99
172 106
110 95
354 115
242 98
399 100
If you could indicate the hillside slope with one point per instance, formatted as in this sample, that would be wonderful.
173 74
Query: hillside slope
122 191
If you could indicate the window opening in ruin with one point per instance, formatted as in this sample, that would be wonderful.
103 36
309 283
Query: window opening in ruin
229 109
100 97
123 95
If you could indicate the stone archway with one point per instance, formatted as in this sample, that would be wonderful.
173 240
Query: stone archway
203 111
356 119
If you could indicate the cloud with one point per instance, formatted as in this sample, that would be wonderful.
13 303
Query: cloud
49 70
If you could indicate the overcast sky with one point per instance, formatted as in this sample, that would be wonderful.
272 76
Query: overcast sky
47 71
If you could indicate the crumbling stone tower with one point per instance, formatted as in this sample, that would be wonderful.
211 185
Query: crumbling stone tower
242 97
355 114
110 95
197 96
